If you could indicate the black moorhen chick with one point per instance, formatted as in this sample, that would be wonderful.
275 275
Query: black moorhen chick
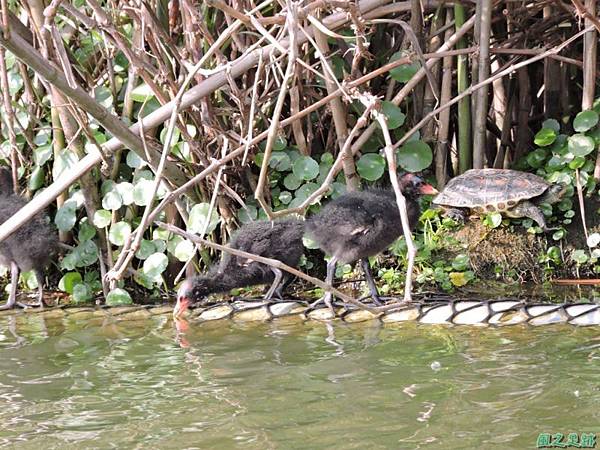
280 239
360 224
31 247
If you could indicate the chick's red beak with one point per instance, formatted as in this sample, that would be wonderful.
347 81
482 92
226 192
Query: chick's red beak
427 189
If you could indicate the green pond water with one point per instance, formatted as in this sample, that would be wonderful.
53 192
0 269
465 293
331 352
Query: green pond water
291 385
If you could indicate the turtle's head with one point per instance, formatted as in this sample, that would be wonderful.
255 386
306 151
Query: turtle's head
555 192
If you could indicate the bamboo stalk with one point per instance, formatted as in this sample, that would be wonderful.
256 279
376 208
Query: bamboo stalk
465 161
441 149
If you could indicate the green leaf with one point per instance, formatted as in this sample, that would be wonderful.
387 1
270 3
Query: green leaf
119 232
593 240
461 262
199 219
36 179
248 214
406 72
146 249
69 280
537 158
280 162
292 182
585 120
327 158
371 166
112 201
580 145
102 218
280 143
42 154
184 251
134 161
285 197
305 168
579 256
493 220
65 216
414 156
81 293
395 116
142 93
125 190
118 297
545 137
64 161
155 265
86 232
142 192
552 124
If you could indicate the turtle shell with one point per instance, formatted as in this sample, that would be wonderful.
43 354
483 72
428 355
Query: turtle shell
491 189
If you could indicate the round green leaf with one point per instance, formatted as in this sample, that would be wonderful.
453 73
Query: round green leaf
291 182
305 168
102 218
42 154
593 240
414 156
395 116
493 220
65 216
146 249
371 166
68 281
461 262
285 197
112 201
537 158
36 179
133 160
86 231
280 162
579 256
580 144
81 293
545 137
142 192
118 297
142 93
280 143
585 120
125 190
155 264
64 161
248 214
119 232
551 124
405 72
199 219
184 251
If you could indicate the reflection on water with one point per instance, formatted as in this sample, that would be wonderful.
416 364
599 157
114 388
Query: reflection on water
286 384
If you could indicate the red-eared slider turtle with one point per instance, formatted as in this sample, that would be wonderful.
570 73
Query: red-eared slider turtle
509 192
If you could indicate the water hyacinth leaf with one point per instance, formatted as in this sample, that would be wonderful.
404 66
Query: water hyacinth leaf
118 297
184 251
292 182
81 293
545 137
371 166
199 219
142 192
42 154
394 115
85 254
551 124
36 179
112 201
68 281
280 162
580 144
133 160
102 218
125 190
305 168
414 156
65 216
306 191
119 232
146 249
579 256
493 220
585 120
155 265
593 240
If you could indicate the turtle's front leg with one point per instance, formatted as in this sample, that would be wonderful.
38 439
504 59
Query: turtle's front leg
528 209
